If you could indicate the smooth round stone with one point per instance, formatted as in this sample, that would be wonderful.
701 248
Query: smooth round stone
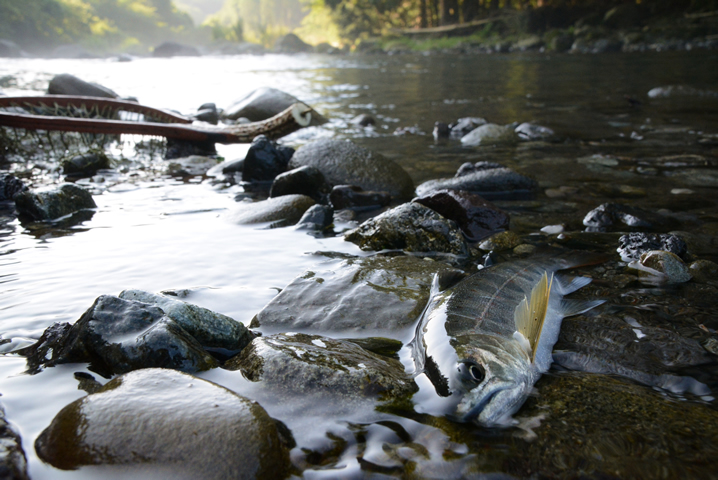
500 241
281 211
552 229
667 263
703 271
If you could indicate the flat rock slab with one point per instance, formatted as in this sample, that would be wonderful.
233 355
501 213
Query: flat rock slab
374 296
345 163
162 422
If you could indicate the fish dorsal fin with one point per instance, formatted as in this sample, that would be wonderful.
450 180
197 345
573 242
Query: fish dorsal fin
531 313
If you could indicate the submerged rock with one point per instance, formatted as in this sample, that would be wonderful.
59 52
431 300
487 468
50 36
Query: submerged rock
174 49
631 246
52 203
307 181
411 227
490 181
66 84
280 211
500 242
671 91
351 196
704 271
265 160
260 104
211 329
10 186
118 336
489 134
615 216
465 125
380 296
166 423
344 163
658 267
13 463
531 132
476 217
85 165
298 364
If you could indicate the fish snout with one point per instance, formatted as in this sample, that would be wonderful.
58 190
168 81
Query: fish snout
491 403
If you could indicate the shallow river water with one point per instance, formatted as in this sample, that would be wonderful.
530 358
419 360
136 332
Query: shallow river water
155 233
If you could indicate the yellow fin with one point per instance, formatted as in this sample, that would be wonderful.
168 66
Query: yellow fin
531 313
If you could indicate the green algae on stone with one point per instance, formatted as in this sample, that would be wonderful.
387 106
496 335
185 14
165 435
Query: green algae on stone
157 421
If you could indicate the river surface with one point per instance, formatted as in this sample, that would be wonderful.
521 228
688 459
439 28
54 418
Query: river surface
155 233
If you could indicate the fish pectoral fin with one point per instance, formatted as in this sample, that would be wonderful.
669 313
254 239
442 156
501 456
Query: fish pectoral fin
531 313
571 307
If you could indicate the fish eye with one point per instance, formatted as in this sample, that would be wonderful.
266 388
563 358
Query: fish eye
472 372
477 373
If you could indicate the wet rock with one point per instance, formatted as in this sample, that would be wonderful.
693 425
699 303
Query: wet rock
297 364
161 424
13 464
52 203
615 216
193 165
211 329
696 177
524 249
85 165
531 132
66 84
672 91
703 271
259 105
337 298
532 42
306 180
489 181
344 163
561 43
118 336
465 125
9 49
658 267
489 134
207 113
411 227
174 49
290 43
10 186
633 245
317 217
279 211
351 196
476 217
411 130
441 131
605 45
265 160
232 166
469 168
500 242
363 120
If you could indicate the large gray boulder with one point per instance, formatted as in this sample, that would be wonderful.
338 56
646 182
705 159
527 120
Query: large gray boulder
378 296
66 84
259 105
344 163
52 203
166 424
411 227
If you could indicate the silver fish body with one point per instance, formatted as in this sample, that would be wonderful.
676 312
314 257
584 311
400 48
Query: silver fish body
467 344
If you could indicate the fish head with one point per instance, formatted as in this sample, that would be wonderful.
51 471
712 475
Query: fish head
492 381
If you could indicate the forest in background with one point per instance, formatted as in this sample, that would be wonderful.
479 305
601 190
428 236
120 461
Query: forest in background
136 25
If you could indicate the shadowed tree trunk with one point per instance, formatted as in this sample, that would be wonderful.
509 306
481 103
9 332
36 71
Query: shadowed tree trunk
448 12
424 21
470 10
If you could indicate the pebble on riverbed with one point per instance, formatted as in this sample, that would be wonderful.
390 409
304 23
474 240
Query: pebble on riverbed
167 423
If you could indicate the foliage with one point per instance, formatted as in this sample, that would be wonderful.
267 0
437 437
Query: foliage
260 21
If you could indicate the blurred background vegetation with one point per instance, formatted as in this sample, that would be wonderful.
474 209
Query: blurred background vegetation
135 25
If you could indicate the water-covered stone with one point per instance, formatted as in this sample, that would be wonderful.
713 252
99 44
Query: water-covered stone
13 464
10 186
351 196
671 91
260 104
157 423
211 329
500 242
632 245
53 202
529 131
117 336
297 364
703 271
465 125
85 165
317 217
411 227
265 160
476 217
279 211
489 134
490 182
363 120
307 181
377 296
291 43
194 165
616 216
66 84
669 266
344 163
697 177
174 49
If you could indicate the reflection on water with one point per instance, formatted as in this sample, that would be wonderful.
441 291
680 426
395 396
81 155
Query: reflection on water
154 233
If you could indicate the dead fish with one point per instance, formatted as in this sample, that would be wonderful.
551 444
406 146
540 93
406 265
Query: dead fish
485 342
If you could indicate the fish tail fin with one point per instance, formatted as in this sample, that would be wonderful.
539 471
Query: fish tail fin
576 258
571 307
530 314
566 284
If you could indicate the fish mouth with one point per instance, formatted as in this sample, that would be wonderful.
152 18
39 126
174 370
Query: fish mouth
491 405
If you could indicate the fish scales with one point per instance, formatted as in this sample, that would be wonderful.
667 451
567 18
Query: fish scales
484 342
